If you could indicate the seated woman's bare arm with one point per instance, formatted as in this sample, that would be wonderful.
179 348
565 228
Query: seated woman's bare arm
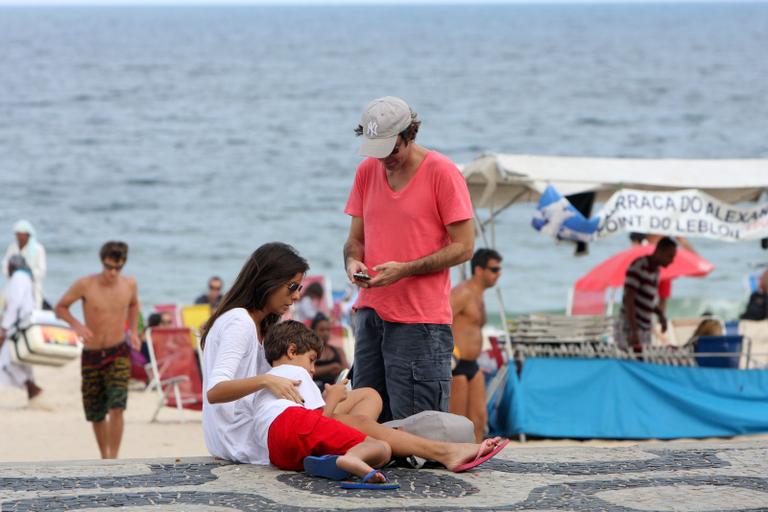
231 390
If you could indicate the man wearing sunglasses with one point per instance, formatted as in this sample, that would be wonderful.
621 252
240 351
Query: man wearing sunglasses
110 302
411 221
468 384
214 295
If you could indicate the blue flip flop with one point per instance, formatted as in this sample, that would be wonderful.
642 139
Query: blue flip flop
324 466
365 483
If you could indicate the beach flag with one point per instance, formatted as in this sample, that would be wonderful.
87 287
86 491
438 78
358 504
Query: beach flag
557 217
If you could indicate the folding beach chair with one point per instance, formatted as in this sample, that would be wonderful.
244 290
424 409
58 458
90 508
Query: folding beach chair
194 316
723 351
175 368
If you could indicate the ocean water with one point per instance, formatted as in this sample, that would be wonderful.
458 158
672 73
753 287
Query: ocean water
196 134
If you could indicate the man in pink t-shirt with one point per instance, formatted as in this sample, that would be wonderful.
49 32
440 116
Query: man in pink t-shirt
411 221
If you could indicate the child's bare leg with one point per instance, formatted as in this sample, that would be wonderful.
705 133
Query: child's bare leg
361 402
362 458
404 444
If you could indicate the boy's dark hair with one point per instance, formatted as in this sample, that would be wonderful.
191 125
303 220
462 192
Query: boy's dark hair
114 250
283 335
482 257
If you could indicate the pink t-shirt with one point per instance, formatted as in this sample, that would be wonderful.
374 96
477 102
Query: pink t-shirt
405 226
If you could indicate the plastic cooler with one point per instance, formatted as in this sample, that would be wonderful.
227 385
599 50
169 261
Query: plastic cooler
719 345
41 338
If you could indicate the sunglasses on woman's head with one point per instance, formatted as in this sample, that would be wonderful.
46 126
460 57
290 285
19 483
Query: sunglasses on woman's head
294 287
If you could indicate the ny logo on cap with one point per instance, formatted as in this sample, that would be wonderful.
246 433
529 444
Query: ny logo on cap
373 129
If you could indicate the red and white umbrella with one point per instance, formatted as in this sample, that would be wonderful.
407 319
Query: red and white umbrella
611 272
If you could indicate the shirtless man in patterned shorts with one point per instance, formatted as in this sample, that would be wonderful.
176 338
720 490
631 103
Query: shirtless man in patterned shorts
110 302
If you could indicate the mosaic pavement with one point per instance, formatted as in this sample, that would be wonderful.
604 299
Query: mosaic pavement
645 477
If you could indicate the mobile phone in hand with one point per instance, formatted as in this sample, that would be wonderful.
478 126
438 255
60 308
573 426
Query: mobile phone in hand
361 276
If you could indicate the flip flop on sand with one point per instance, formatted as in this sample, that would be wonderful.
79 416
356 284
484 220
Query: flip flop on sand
365 483
324 466
481 458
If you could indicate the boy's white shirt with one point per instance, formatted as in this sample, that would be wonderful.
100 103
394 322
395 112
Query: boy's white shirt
267 407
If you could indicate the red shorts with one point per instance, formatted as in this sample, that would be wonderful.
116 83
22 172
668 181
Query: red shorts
299 432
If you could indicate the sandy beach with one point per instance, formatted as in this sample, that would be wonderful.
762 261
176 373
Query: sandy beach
60 432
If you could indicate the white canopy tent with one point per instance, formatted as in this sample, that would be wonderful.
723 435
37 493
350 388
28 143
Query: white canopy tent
497 181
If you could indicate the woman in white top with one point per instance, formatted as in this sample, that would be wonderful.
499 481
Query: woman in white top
234 367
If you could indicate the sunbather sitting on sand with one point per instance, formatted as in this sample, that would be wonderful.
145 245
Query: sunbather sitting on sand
235 367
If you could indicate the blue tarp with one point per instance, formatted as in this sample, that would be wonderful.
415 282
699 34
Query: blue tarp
614 399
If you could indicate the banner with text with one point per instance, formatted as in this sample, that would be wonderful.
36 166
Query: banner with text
689 213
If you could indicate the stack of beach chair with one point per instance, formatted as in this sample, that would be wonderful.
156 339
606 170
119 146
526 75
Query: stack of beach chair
586 337
563 329
541 335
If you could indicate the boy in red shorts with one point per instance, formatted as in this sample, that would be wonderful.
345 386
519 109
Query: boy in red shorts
307 437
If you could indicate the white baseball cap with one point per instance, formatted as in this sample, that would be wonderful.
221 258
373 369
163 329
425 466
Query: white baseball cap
383 120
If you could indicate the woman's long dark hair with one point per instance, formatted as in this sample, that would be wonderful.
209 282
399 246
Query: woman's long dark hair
270 266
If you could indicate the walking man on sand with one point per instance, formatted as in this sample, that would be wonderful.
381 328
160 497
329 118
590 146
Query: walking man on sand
411 221
641 296
468 384
110 300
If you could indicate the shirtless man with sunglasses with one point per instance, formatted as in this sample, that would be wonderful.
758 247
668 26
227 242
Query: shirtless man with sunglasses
110 302
468 383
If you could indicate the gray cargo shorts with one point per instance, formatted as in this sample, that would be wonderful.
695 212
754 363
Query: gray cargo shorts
408 364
